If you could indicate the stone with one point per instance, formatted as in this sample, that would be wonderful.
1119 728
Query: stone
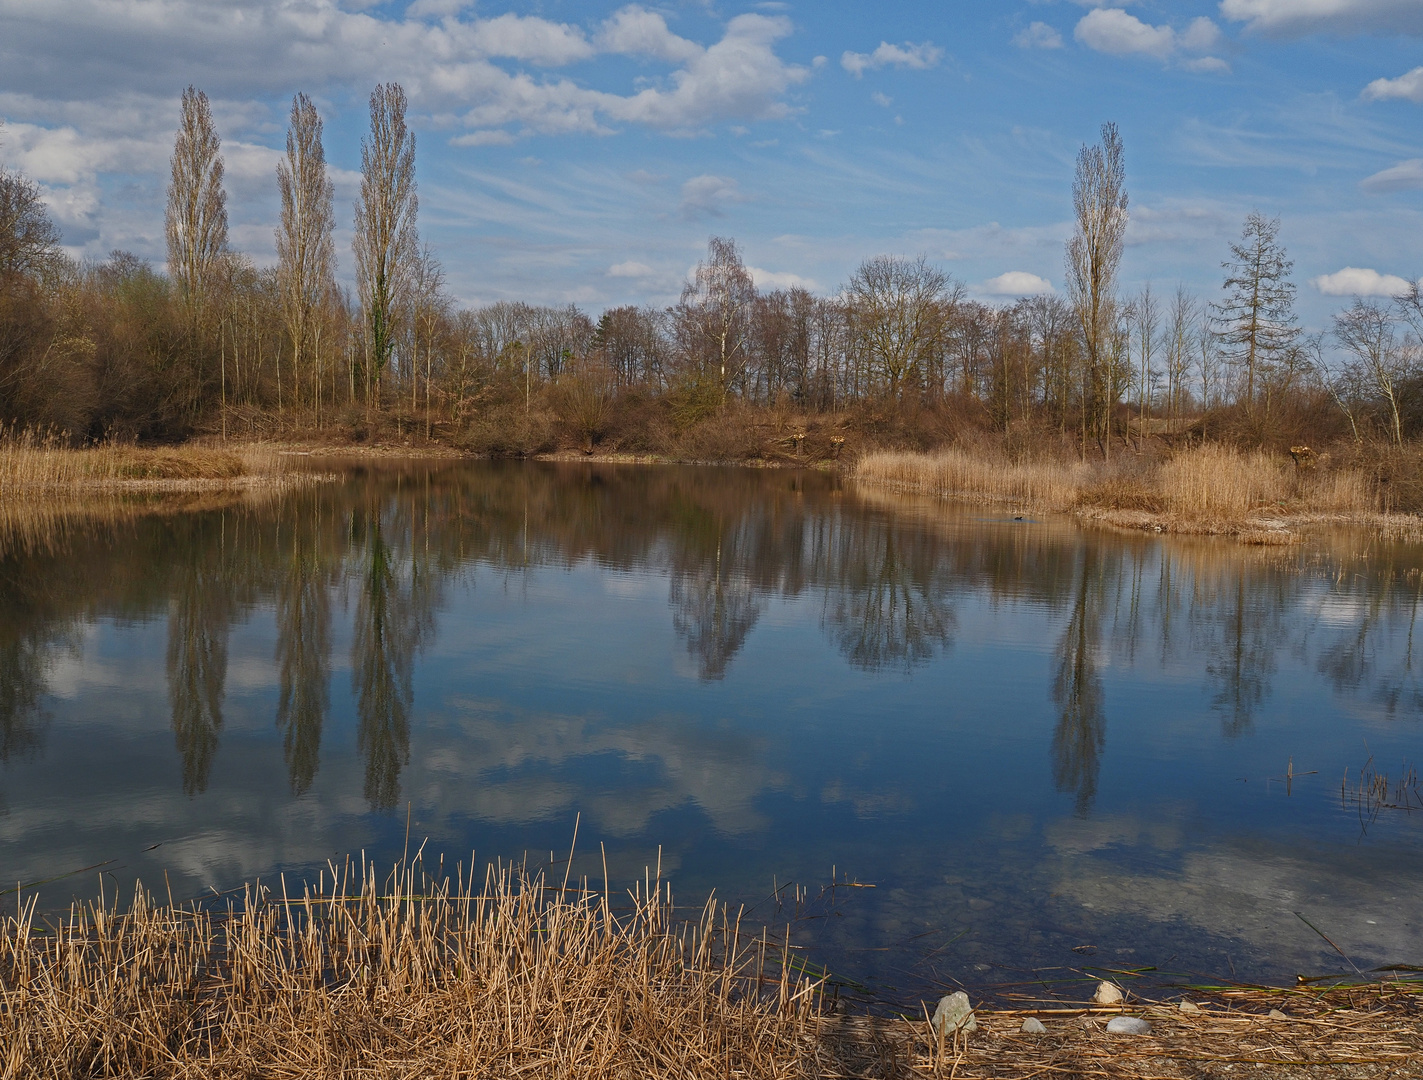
954 1014
1128 1025
1275 1014
1191 1008
1108 994
1033 1026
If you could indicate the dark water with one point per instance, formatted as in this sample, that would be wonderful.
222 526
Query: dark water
1030 738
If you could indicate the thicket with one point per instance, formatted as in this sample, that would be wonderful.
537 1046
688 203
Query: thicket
898 357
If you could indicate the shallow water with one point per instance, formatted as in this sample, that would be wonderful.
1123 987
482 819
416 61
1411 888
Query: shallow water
1047 748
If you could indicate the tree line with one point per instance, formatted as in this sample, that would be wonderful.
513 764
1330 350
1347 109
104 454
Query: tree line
117 349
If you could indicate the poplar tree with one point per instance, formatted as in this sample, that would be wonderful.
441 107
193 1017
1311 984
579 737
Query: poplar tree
386 244
306 256
1094 254
196 221
1255 323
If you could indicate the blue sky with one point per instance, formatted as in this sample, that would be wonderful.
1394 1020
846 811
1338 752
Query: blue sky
583 152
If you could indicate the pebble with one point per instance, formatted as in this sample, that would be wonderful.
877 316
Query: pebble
1108 994
1190 1007
1128 1025
1033 1026
1275 1014
954 1014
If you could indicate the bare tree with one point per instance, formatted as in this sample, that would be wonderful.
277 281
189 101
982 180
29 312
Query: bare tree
306 256
1368 332
1183 316
1094 254
714 313
29 241
196 223
386 244
432 307
1255 322
897 311
1146 325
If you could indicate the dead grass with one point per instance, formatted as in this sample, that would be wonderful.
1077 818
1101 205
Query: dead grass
32 464
407 977
1211 488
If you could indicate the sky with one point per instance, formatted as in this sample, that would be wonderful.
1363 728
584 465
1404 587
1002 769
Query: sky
584 152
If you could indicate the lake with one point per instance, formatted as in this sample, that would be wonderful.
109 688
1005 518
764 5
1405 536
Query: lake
948 744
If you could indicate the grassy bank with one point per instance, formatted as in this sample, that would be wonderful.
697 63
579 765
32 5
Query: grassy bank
1204 489
419 976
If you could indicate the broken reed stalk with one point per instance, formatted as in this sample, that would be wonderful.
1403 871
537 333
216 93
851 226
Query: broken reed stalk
406 977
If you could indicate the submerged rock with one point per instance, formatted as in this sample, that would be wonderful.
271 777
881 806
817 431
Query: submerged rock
1128 1025
1108 994
1033 1026
954 1014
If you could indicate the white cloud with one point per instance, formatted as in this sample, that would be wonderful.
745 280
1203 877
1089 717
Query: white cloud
635 31
437 8
909 55
1404 176
1201 35
780 279
1355 281
1016 283
630 269
1111 30
494 137
706 196
1296 17
536 40
882 100
1207 64
1038 35
1409 87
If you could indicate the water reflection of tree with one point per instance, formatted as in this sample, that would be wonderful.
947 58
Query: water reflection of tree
1081 732
392 619
714 609
24 663
199 617
303 615
1241 651
885 608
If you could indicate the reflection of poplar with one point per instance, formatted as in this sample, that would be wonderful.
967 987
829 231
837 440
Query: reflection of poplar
382 652
197 663
304 657
1244 659
24 659
714 612
884 609
1081 733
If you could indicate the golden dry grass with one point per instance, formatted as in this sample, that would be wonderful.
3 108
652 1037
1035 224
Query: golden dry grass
408 977
37 464
1209 488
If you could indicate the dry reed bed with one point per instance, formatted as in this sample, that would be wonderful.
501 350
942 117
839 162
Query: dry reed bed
401 978
1203 489
40 466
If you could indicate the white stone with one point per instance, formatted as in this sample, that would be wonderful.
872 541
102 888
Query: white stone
1108 994
1033 1026
954 1014
1127 1025
1275 1014
1190 1007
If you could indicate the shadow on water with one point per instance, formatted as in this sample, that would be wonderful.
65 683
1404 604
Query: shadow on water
768 673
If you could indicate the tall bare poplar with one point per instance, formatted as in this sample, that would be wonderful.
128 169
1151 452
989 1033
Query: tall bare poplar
386 242
1255 322
306 256
1094 254
196 222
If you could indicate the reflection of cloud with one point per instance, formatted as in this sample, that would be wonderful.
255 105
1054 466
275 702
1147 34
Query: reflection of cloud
535 767
1251 894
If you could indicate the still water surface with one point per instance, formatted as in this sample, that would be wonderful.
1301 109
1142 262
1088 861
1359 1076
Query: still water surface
1044 746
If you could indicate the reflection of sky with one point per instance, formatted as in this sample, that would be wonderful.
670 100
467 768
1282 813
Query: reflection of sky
556 691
